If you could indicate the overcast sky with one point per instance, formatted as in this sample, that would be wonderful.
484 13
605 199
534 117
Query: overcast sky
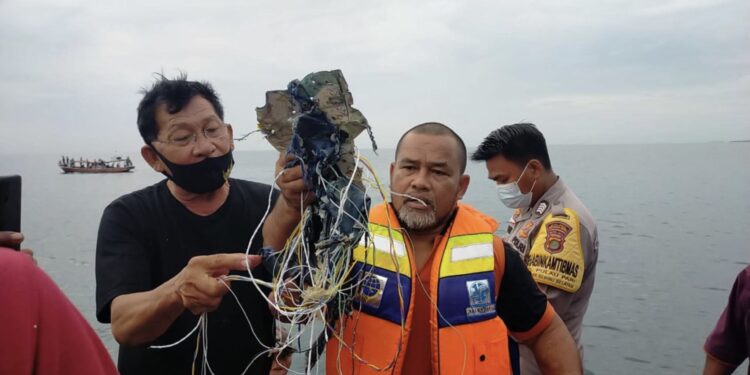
586 72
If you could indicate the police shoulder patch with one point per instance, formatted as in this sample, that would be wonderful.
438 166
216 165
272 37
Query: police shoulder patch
557 231
556 256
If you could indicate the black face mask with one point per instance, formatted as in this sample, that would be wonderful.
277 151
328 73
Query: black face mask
201 177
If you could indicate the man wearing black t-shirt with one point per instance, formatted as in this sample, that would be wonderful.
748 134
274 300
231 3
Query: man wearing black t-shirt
162 250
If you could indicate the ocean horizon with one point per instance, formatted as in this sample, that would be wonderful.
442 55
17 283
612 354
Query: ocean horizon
672 220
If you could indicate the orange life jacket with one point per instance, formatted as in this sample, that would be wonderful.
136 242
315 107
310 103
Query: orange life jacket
466 335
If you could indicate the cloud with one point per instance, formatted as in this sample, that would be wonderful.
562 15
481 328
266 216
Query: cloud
72 69
679 6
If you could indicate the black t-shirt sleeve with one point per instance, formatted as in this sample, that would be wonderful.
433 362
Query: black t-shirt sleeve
122 263
520 303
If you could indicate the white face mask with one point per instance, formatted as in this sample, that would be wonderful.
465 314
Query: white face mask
511 196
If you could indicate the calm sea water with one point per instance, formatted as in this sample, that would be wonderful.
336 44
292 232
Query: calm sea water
672 220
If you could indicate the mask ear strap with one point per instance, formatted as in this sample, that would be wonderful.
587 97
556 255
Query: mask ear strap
522 172
151 145
532 186
161 157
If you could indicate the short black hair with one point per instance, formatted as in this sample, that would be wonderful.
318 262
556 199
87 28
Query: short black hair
436 128
518 143
175 93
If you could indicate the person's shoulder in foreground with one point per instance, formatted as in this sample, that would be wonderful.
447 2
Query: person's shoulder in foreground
728 345
42 330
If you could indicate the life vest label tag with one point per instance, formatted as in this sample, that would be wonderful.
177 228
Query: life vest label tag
371 290
480 300
477 311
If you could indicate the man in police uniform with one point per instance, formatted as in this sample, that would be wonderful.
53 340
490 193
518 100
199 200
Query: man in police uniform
550 228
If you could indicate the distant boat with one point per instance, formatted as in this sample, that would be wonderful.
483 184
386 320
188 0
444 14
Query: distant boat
115 165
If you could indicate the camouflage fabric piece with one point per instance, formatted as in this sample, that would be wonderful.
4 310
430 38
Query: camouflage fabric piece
314 120
324 95
276 117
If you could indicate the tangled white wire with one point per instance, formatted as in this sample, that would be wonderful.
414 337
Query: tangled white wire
324 280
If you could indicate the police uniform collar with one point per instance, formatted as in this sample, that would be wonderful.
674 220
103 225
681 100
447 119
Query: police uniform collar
546 201
556 190
523 214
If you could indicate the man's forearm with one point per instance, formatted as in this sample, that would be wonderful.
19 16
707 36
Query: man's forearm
555 351
140 318
279 224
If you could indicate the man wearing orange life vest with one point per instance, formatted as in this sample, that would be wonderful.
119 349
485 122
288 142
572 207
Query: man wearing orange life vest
439 292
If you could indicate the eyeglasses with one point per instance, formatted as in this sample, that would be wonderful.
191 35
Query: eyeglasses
184 137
